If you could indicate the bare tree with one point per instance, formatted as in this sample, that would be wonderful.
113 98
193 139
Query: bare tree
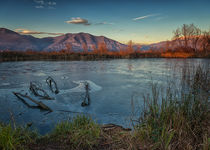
187 36
177 37
196 38
187 33
205 41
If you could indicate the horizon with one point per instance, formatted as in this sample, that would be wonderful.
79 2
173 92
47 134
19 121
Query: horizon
143 22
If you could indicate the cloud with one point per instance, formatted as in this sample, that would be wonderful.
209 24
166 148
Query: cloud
78 20
82 21
144 17
26 31
52 3
104 23
40 4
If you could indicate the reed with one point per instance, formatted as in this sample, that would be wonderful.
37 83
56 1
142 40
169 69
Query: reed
177 120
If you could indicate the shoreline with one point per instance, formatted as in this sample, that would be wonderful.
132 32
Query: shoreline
8 56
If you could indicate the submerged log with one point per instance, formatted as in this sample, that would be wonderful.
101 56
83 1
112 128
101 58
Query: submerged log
38 103
52 85
36 89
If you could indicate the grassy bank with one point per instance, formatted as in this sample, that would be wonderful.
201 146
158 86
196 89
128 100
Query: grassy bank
171 120
70 56
182 119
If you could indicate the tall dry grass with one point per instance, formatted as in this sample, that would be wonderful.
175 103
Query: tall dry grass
177 120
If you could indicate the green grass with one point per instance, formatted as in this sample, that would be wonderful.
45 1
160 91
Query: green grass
81 133
18 138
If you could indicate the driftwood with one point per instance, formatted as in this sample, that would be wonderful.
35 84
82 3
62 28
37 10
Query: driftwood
87 95
36 89
52 85
39 104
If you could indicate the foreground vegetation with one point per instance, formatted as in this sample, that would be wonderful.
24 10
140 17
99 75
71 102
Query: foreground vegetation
182 119
172 119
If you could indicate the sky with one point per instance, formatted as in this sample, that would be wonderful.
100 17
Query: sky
142 21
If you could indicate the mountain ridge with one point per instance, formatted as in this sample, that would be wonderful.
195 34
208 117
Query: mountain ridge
11 40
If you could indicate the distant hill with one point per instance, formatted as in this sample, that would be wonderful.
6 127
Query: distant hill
10 40
14 41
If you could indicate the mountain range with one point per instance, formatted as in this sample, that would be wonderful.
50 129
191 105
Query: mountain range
10 40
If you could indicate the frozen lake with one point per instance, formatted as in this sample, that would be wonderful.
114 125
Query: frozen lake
113 84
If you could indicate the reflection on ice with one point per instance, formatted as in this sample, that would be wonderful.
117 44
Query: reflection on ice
81 87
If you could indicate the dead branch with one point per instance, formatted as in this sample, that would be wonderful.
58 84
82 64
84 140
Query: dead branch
52 85
36 89
39 103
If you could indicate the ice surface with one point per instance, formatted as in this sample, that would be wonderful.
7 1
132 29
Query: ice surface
112 86
81 87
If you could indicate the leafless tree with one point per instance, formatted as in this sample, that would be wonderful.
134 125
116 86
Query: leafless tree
187 33
195 37
205 41
177 37
187 36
